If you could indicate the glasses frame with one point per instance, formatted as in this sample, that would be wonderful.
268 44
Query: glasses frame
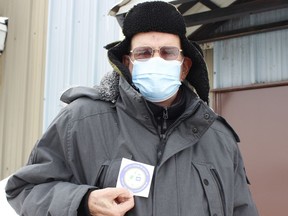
153 52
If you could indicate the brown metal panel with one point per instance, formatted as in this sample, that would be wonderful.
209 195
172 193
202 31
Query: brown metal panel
260 118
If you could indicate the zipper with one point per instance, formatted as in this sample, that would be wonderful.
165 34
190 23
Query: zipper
165 117
162 131
220 187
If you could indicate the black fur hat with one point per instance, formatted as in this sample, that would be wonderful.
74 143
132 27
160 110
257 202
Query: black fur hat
160 16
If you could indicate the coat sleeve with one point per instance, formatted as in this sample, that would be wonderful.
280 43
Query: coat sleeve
46 185
243 202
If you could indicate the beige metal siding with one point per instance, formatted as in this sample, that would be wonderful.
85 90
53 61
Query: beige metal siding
22 72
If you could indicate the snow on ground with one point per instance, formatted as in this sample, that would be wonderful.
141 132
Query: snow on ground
5 208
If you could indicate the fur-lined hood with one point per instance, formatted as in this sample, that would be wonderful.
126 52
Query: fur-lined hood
107 90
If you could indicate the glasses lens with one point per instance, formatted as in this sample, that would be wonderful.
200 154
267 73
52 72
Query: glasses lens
142 53
169 53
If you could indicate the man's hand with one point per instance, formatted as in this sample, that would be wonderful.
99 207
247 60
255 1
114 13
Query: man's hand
110 202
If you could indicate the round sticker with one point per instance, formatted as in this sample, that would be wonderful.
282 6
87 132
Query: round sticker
135 177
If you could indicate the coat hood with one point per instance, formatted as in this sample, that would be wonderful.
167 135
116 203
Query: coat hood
107 90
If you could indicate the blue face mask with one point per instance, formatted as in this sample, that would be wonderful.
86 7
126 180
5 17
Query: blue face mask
156 78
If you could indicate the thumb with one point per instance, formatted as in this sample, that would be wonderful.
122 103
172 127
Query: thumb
122 193
125 200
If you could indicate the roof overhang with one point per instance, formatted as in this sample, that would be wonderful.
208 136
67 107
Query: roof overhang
204 17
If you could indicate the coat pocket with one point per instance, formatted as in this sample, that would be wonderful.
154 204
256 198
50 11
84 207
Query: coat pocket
108 173
212 187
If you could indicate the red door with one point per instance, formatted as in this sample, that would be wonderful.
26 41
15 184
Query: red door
260 117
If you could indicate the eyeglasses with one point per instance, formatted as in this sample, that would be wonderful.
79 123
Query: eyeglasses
166 52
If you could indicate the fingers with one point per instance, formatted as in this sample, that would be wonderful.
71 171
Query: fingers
118 192
125 206
110 201
125 200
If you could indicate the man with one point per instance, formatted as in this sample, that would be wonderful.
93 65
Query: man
180 157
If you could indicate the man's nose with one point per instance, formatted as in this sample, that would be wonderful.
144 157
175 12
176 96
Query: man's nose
156 53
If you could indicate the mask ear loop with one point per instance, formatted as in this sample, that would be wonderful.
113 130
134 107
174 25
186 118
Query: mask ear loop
130 60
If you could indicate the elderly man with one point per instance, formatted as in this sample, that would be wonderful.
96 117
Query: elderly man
144 142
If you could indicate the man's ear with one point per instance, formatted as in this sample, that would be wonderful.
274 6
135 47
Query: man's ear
186 65
126 60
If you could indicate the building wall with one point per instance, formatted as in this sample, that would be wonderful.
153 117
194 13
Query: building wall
208 56
22 67
250 91
259 117
51 46
254 59
77 34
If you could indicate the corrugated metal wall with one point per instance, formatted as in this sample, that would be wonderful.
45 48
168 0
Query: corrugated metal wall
77 33
257 115
22 67
259 58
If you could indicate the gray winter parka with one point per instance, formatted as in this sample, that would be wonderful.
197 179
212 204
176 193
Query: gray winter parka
200 173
